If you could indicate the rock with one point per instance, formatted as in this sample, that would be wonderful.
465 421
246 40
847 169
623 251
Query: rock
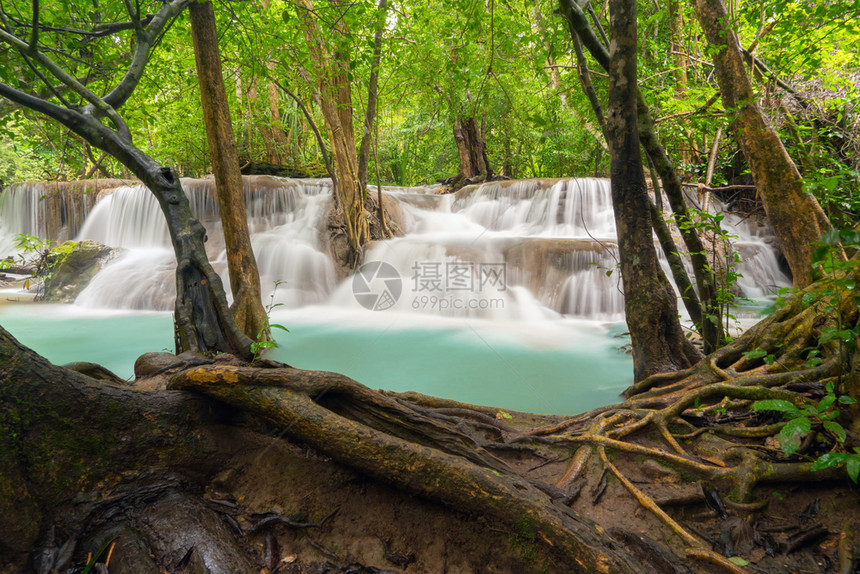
72 266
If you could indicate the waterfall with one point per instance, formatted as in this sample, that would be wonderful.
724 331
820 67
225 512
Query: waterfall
530 250
21 211
50 210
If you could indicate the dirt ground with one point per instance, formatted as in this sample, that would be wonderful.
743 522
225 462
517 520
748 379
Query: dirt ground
792 529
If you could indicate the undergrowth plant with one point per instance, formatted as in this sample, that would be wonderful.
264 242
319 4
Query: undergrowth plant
31 250
725 272
802 421
263 343
833 274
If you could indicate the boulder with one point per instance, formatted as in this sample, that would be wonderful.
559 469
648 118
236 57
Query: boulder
72 266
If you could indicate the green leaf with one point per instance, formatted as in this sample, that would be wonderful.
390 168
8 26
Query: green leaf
755 354
846 400
789 436
775 405
829 460
825 403
853 467
835 428
832 333
276 326
738 561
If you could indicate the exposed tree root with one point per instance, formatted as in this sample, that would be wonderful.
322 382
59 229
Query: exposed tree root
525 473
359 428
405 442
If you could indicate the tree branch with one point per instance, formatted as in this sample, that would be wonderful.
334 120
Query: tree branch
165 15
34 38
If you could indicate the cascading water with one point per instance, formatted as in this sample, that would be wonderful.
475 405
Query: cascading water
21 211
283 215
495 295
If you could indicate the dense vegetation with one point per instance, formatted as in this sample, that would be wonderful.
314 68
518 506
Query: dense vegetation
510 65
491 83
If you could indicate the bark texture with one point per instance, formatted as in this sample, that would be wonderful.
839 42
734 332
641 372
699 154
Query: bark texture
471 143
63 433
332 73
711 327
795 216
247 307
651 312
372 96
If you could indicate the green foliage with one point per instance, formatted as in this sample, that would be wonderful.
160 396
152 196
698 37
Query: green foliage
508 63
262 343
850 460
801 421
768 358
92 563
724 267
31 251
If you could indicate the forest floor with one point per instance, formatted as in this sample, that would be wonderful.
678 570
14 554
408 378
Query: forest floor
384 529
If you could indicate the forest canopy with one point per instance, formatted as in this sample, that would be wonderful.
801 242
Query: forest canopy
509 65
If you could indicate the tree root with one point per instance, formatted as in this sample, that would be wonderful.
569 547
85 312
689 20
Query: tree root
342 419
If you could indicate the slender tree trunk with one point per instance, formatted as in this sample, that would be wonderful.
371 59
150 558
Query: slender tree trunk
372 96
259 123
795 216
332 71
679 60
711 327
658 341
281 139
555 80
247 305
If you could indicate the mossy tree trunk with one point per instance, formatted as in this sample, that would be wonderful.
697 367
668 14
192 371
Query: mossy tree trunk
332 74
63 434
651 311
795 215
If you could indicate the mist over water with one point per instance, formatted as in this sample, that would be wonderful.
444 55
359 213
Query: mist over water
503 294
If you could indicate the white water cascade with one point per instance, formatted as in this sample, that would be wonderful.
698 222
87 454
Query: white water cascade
510 283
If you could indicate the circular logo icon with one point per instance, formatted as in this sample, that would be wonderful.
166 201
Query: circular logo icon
377 286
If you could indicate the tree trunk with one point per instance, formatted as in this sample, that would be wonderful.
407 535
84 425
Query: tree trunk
63 434
658 341
711 327
202 319
281 139
678 58
247 307
372 96
332 71
472 149
795 216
